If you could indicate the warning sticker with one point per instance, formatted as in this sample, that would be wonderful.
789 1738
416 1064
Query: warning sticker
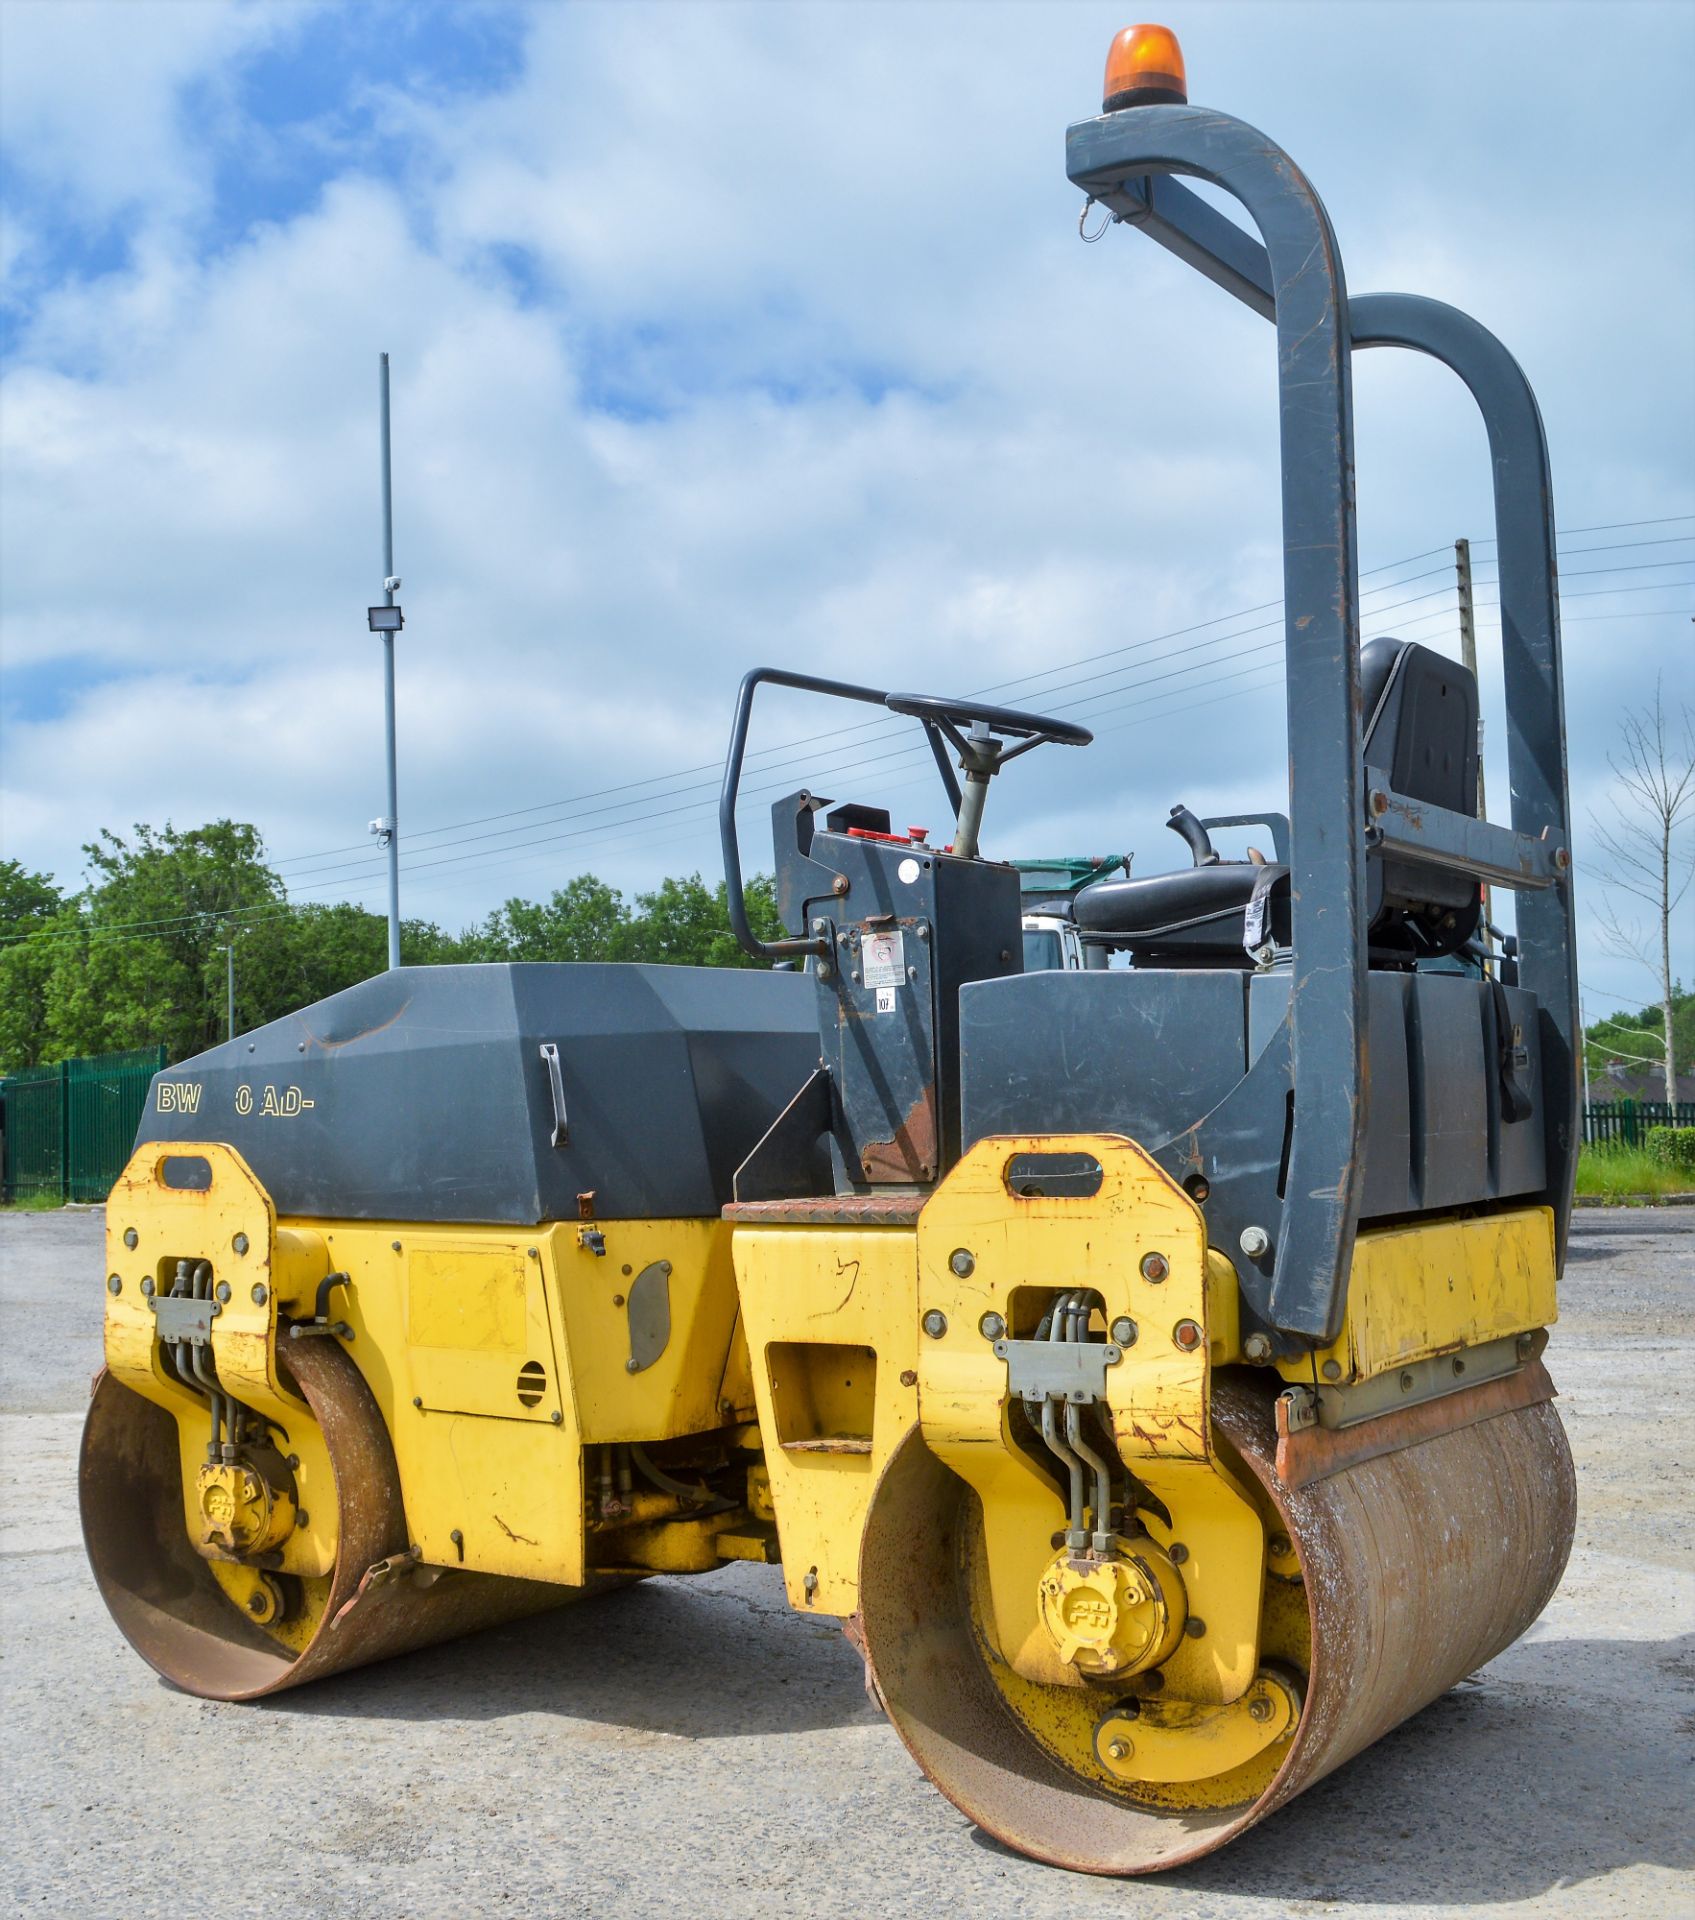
885 999
885 960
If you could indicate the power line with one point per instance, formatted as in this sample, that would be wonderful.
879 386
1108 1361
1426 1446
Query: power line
1026 680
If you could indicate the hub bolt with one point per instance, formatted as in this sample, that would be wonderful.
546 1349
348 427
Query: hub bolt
1255 1242
1119 1749
114 1285
1257 1347
991 1326
1124 1330
935 1323
131 1238
1260 1708
963 1262
1155 1267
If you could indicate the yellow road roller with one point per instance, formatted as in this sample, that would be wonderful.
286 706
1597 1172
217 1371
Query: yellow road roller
1142 1360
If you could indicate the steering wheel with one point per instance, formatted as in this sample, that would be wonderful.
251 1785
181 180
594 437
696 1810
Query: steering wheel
981 754
1034 729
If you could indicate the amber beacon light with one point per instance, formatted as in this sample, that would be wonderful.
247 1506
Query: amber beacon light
1143 69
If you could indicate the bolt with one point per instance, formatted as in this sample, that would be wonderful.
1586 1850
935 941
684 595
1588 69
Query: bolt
301 1047
147 1287
1257 1347
557 1417
240 1244
418 1400
1562 859
963 1262
935 1323
991 1326
839 884
395 1244
1280 1546
114 1285
257 1604
1124 1330
261 1293
810 1584
617 1299
924 926
1155 1267
1255 1242
224 1291
1197 1186
302 1518
1195 1627
632 1365
820 926
457 1538
1119 1750
1406 1383
294 1463
131 1238
909 1378
533 1252
1379 802
1006 955
1187 1335
1177 1553
1526 1345
853 975
1332 1369
1260 1708
665 1268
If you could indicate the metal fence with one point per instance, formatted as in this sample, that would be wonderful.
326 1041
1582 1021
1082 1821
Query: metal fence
67 1130
1625 1123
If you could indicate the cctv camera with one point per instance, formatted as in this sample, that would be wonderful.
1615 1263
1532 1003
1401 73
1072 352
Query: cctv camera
392 583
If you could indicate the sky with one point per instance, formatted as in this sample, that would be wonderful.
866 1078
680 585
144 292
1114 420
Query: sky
737 335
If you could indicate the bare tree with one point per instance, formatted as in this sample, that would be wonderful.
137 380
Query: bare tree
1654 796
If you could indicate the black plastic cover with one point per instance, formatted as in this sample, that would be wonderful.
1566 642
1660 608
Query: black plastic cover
423 1094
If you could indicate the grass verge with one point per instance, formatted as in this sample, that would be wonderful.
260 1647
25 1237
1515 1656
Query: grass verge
1626 1173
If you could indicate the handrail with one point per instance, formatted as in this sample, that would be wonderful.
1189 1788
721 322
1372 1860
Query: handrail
735 894
1114 158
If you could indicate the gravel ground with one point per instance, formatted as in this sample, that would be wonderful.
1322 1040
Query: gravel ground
692 1746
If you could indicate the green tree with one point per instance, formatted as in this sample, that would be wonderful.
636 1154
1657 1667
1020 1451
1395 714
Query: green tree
33 917
149 963
686 923
583 920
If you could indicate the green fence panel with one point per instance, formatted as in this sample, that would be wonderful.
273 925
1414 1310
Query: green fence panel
1625 1123
69 1128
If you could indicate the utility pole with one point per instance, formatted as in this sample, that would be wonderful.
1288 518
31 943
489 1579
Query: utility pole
229 984
1468 653
388 620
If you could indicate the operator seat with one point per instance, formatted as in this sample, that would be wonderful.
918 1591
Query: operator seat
1420 732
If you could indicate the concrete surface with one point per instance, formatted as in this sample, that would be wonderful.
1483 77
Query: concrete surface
693 1747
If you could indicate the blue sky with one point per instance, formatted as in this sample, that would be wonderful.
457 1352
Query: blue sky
725 334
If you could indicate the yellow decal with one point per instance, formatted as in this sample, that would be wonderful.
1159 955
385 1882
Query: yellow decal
281 1103
179 1096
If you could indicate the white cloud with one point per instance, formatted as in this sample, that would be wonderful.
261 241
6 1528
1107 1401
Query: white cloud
898 425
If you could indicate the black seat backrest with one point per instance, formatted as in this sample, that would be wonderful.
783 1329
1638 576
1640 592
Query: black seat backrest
1419 722
1419 725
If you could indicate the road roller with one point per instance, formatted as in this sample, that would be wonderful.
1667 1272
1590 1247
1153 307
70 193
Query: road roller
1142 1360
